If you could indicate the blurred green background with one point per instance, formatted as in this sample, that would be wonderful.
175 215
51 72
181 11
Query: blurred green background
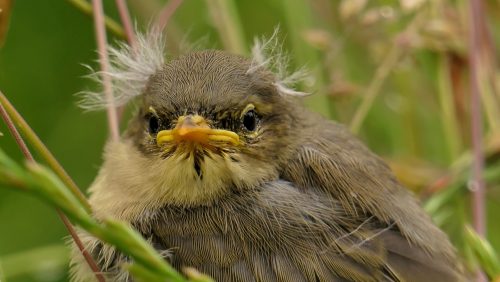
409 55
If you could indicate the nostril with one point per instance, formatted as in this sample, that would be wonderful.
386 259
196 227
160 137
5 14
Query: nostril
190 122
198 120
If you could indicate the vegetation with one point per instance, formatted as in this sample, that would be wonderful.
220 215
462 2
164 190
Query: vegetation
396 72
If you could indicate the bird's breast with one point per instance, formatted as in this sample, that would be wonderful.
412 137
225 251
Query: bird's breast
265 234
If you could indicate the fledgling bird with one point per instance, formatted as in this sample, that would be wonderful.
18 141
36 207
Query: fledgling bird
223 170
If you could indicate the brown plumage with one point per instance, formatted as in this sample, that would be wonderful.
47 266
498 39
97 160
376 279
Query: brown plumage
294 197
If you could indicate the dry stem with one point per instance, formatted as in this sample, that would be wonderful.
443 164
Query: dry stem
100 32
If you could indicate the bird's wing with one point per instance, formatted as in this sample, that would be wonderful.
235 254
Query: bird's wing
411 263
332 161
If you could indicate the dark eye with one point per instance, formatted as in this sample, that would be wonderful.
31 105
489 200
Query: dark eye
154 124
250 120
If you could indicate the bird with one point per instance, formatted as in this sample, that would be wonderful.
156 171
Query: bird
222 169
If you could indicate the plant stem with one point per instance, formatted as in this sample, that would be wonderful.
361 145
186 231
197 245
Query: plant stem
29 157
166 13
131 39
100 33
225 18
383 71
112 25
374 87
448 114
127 23
88 258
299 18
13 131
478 191
476 118
35 141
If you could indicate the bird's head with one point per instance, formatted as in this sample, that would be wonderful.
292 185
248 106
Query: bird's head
209 125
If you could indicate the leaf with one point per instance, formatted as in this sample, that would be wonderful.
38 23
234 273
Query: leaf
51 260
195 276
484 252
143 274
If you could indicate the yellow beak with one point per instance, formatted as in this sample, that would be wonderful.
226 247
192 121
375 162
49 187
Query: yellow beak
194 128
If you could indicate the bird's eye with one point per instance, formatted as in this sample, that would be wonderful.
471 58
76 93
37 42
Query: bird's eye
154 124
250 120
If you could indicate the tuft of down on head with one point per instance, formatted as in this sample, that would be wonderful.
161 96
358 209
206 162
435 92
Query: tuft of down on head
269 54
130 69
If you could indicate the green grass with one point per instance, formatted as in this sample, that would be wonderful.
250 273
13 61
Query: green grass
397 77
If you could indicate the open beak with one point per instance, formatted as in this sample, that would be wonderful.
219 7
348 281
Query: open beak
195 129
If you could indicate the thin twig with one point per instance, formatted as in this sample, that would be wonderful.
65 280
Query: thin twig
448 112
477 182
88 258
166 13
486 73
100 32
476 118
86 8
131 39
127 23
71 229
383 71
35 141
13 131
374 87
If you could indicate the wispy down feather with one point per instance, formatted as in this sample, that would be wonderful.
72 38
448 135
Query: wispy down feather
269 54
129 70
